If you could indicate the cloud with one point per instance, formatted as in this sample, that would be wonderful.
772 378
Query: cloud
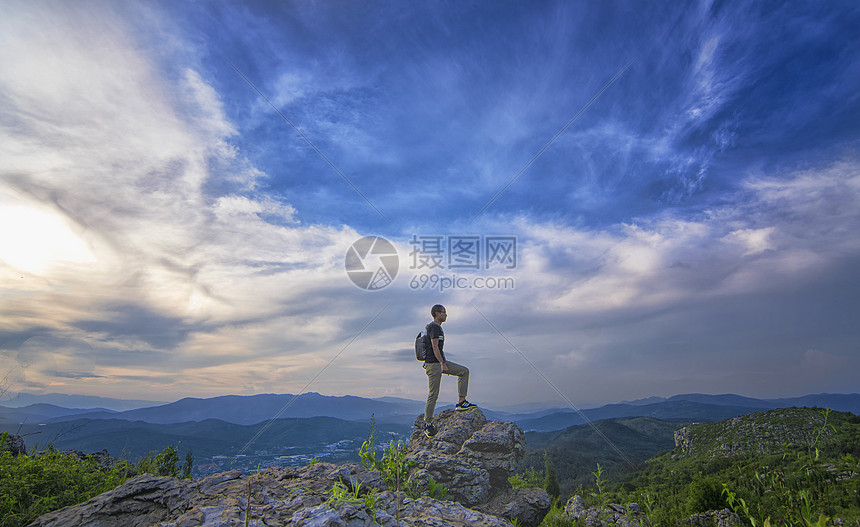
106 177
161 235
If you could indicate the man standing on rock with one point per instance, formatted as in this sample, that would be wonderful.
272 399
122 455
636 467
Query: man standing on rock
435 365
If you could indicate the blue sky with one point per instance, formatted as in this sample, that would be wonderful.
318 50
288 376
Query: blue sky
681 179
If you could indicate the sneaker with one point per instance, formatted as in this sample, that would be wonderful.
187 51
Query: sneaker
465 405
429 430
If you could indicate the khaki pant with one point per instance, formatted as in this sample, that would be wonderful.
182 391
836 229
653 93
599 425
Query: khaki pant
434 378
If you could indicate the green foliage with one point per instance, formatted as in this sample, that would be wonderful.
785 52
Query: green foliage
367 452
437 491
34 485
599 484
705 494
575 450
165 463
395 468
793 491
393 465
340 493
784 467
188 465
550 482
557 518
529 479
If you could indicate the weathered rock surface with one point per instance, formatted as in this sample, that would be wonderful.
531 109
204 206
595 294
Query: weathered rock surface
470 456
619 515
770 432
102 458
632 515
290 496
722 518
473 458
14 444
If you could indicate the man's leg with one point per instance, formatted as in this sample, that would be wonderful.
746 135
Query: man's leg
462 374
434 379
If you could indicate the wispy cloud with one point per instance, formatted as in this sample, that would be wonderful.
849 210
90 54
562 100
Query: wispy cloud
160 226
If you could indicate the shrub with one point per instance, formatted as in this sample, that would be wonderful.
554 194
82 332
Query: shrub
35 485
706 494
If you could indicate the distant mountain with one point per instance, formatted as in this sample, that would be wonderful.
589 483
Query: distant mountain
668 410
642 402
834 401
691 407
247 410
74 401
37 413
726 400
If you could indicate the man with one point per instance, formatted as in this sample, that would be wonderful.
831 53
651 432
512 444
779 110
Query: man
435 365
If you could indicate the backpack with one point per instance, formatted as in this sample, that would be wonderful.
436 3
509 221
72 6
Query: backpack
421 344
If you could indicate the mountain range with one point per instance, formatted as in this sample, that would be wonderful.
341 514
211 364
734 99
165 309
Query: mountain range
270 427
253 409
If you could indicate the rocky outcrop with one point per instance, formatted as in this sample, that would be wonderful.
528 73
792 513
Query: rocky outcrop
771 432
630 515
104 460
470 456
722 518
473 458
14 444
291 496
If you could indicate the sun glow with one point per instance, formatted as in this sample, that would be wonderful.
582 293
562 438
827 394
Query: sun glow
33 239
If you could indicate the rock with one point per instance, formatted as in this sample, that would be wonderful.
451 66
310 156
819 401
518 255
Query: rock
630 515
139 502
722 518
528 506
289 496
14 444
104 460
473 458
682 440
470 456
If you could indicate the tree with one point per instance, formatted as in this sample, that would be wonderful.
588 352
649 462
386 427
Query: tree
550 479
189 463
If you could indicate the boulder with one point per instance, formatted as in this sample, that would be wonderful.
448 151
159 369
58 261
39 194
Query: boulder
721 518
630 515
473 458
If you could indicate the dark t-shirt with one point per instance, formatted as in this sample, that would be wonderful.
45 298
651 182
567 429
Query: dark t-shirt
434 331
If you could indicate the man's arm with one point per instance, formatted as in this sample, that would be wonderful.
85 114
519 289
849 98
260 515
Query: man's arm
435 343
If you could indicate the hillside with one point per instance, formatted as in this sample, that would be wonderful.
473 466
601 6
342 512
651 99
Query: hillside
694 407
788 464
769 432
576 450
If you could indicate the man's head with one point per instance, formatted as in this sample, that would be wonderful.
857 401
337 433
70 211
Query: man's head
438 313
